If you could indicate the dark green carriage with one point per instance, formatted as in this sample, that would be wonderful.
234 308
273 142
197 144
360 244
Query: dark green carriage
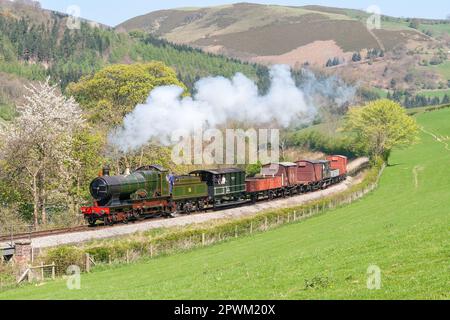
224 185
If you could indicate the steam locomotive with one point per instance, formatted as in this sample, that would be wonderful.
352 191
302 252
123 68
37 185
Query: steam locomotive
152 191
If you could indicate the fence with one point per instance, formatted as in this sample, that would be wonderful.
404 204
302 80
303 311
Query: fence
38 273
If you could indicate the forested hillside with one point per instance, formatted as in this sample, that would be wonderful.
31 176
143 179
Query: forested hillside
36 43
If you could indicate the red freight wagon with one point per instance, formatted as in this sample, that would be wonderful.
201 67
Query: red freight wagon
261 184
309 171
338 163
287 171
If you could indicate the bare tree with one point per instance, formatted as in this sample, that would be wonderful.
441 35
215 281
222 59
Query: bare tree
36 146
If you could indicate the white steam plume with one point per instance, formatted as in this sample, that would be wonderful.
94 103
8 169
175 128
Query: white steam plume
217 101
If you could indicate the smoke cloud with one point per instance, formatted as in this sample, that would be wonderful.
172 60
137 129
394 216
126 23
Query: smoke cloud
217 101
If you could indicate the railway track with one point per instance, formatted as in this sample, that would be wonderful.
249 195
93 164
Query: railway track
43 233
54 232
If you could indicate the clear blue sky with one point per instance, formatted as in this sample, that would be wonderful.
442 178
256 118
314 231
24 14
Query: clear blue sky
112 12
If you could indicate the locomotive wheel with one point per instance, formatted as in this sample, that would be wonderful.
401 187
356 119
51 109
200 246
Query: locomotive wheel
108 221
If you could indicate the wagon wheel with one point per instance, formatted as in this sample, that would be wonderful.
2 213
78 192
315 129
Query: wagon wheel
188 208
137 214
201 206
271 196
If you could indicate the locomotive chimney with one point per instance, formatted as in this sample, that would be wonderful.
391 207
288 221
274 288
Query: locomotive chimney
106 171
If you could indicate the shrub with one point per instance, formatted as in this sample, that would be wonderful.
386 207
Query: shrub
64 257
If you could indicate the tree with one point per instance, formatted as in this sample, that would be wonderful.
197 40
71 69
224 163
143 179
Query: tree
356 57
36 147
381 126
393 83
414 24
115 90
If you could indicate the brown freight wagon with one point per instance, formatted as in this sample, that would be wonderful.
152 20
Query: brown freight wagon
262 184
287 171
338 163
309 171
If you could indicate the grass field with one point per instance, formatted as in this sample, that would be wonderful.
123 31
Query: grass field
435 93
443 69
403 228
437 29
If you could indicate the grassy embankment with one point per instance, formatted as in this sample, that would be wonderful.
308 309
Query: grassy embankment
402 228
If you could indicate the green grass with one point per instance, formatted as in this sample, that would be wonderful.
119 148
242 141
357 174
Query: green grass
436 29
381 92
6 112
402 227
443 69
435 93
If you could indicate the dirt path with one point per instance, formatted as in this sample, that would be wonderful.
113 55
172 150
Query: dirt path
73 238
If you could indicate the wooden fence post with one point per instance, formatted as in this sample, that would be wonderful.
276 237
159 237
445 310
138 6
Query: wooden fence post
251 227
53 270
151 251
203 239
42 271
128 256
88 263
109 260
266 224
236 231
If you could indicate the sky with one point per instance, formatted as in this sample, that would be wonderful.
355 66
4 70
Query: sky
113 12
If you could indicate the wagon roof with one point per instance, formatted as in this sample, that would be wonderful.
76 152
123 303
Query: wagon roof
283 164
219 171
314 161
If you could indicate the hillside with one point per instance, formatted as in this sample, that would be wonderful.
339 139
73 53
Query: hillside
36 43
311 35
401 227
